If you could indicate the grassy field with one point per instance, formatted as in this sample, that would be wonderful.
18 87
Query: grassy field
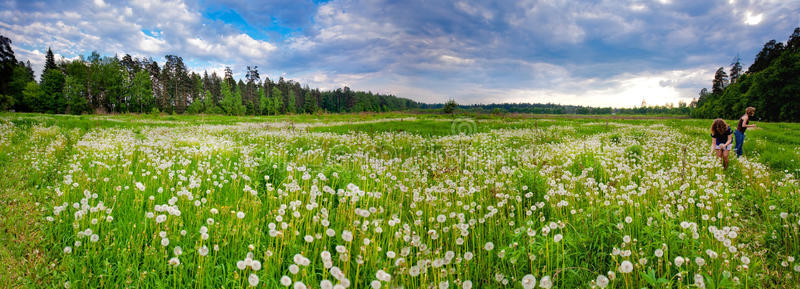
393 200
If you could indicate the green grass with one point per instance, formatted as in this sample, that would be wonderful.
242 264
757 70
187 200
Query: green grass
569 199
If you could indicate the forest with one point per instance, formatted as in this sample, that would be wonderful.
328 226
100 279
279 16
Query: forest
108 84
771 85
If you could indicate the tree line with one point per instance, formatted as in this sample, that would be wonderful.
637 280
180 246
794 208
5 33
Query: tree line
771 85
551 108
106 84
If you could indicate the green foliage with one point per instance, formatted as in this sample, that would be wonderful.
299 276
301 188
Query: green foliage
75 95
449 107
231 102
291 106
33 97
264 103
141 92
53 88
771 86
6 102
277 102
310 105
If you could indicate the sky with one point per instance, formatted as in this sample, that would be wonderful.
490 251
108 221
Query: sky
594 53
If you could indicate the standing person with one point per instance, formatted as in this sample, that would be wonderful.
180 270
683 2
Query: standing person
744 123
721 140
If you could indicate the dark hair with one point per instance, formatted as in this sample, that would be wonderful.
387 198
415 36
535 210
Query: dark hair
718 127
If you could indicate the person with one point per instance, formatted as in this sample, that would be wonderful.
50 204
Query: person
721 140
744 123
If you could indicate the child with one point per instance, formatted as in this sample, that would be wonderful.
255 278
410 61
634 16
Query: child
721 140
744 123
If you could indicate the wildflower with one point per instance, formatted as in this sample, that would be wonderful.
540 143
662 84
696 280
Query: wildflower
347 236
375 284
626 267
466 284
165 242
177 251
94 238
602 281
240 215
528 282
679 261
326 284
489 246
67 250
659 253
699 281
253 280
557 238
175 262
299 285
203 251
383 276
140 186
468 256
546 283
286 281
700 261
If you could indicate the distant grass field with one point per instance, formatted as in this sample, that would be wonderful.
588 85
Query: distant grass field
388 200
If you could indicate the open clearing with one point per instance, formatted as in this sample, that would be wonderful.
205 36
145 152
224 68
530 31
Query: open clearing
389 201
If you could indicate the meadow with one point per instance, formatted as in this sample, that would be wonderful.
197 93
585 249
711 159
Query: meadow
393 201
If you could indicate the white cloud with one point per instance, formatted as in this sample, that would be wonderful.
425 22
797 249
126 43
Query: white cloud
751 19
100 4
151 45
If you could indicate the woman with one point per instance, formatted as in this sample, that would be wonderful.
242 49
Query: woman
741 127
721 140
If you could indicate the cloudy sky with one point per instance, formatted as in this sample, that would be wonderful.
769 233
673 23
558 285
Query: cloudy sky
599 53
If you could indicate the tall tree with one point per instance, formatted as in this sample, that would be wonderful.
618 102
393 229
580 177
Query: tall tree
176 77
794 41
736 69
720 81
277 101
50 61
263 102
75 95
770 52
7 64
53 88
310 105
291 105
141 92
33 97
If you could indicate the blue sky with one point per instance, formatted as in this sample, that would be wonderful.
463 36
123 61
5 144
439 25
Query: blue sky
599 53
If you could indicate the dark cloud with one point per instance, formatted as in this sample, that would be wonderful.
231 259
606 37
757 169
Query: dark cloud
474 51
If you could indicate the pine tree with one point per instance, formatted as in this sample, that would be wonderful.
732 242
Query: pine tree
310 105
720 81
291 106
277 100
736 69
50 61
